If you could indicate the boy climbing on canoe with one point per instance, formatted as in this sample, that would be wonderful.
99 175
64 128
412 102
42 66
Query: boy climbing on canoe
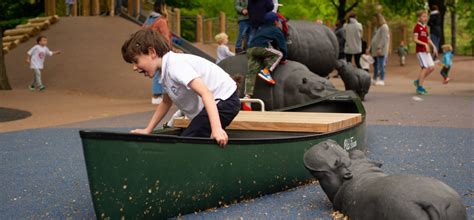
199 88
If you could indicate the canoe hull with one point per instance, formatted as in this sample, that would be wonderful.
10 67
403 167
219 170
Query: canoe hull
160 179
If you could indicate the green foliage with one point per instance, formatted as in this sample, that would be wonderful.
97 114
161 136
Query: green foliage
14 9
404 7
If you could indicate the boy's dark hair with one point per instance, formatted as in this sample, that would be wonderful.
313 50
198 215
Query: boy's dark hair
158 6
420 12
141 41
434 8
39 38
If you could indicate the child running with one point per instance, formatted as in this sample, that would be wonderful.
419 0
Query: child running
423 42
36 56
447 62
199 88
402 52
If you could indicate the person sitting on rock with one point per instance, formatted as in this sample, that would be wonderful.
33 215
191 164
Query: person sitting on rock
266 51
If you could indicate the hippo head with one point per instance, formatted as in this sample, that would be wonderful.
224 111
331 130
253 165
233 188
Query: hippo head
329 164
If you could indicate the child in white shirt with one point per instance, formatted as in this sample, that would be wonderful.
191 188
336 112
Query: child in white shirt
366 60
203 91
223 50
36 56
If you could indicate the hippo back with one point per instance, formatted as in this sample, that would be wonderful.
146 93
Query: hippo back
295 83
313 45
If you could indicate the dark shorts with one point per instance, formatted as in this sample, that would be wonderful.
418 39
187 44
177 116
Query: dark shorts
200 125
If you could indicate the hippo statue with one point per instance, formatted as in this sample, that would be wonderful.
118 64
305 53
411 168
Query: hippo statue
358 188
355 79
313 45
295 83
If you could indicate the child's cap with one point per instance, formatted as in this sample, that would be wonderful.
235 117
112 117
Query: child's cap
220 37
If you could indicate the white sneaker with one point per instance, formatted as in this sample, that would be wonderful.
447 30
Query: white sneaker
157 100
379 83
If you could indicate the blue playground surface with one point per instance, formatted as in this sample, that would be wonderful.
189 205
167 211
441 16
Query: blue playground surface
44 174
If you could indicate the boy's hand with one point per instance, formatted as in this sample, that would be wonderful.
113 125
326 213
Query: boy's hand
140 131
220 136
57 52
427 48
27 60
379 51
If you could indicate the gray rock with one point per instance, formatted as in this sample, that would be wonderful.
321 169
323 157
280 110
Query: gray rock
358 188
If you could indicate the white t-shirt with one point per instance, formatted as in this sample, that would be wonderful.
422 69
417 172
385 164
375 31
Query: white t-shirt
38 54
365 61
178 70
223 52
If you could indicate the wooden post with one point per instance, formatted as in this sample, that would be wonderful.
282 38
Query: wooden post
74 9
209 30
221 22
4 83
85 8
177 20
130 7
369 32
112 8
95 7
199 36
50 7
137 7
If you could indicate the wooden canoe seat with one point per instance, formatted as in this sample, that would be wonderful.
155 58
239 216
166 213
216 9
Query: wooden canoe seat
313 122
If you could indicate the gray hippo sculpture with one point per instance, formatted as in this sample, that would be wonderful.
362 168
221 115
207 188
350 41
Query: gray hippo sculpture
295 83
358 188
357 80
313 45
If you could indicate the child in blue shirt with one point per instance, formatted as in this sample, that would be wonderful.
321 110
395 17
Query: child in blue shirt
447 62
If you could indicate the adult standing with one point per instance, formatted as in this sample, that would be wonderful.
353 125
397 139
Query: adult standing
244 25
379 49
353 36
339 32
435 26
158 22
257 10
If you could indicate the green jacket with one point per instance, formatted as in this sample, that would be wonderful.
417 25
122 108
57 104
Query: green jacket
239 6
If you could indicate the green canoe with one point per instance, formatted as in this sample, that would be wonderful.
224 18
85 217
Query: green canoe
164 175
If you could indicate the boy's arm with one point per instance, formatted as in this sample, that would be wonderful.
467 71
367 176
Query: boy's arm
435 50
208 99
28 57
160 112
415 38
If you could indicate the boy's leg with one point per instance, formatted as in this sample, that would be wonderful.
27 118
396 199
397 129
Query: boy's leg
200 125
376 69
348 57
271 57
38 77
402 60
254 65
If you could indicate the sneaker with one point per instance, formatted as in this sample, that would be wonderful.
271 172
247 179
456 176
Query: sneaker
446 80
283 62
31 87
416 83
156 100
379 83
421 91
42 88
266 77
246 106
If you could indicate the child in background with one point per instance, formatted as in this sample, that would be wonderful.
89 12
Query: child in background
447 62
423 43
203 91
36 56
366 60
222 50
402 52
69 5
266 50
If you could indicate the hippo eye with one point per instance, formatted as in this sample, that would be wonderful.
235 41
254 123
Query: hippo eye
305 80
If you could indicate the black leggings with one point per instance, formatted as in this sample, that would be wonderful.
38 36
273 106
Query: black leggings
200 125
356 57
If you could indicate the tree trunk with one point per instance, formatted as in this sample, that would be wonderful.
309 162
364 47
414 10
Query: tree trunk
4 84
453 29
341 9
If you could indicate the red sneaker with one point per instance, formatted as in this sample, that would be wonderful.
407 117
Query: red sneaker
246 106
446 80
283 62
